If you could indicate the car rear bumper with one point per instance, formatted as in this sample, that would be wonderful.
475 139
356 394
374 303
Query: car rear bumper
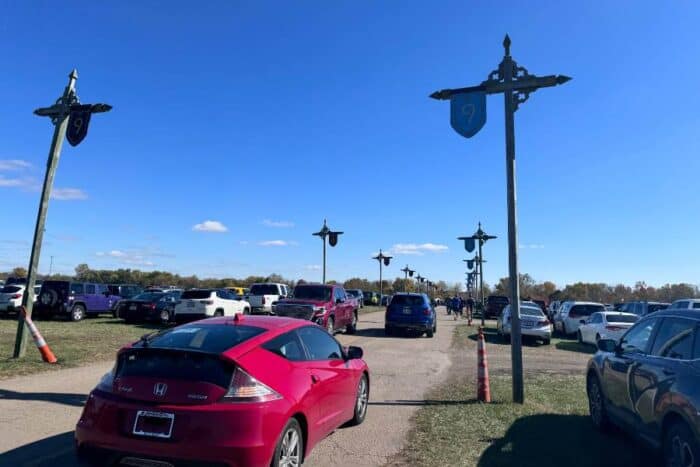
214 434
424 326
539 333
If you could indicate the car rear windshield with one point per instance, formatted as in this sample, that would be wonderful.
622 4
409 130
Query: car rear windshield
210 338
264 289
622 318
313 292
528 311
10 289
657 306
496 299
196 294
188 366
55 285
354 293
149 296
407 300
585 310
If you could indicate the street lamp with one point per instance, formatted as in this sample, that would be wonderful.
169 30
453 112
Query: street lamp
383 260
469 245
332 241
419 281
408 272
467 117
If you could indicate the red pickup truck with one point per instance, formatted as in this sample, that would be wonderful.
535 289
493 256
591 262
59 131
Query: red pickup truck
326 305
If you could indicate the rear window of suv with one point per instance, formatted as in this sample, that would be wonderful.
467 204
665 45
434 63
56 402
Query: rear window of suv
621 319
585 310
407 300
496 299
264 289
196 294
10 289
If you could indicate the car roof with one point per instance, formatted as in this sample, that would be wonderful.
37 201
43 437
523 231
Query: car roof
687 300
624 313
584 303
676 313
407 294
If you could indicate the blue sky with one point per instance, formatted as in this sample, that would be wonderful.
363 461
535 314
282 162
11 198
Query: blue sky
266 117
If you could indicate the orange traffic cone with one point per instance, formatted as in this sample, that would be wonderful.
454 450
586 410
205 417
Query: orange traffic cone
483 391
41 344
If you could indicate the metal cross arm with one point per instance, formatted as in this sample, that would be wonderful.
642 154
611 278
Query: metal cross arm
492 86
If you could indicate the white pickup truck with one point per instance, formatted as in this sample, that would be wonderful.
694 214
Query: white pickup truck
262 296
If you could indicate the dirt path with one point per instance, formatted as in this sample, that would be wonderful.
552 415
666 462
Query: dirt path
38 412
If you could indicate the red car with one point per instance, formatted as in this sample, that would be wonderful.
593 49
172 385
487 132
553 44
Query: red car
239 391
326 305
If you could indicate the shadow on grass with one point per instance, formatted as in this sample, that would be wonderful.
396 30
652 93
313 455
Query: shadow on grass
49 452
76 400
573 346
422 403
492 337
570 440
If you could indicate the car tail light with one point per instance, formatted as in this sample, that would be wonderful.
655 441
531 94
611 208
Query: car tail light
426 312
17 295
152 306
543 323
614 328
245 388
208 302
263 300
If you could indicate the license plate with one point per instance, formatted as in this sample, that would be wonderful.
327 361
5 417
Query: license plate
527 324
154 424
190 304
132 307
407 310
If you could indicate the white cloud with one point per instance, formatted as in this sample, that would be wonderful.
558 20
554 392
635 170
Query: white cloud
313 267
243 242
274 243
417 249
277 224
532 246
68 194
210 226
26 183
131 258
14 164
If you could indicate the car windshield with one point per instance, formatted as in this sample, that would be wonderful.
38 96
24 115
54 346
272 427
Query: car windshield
530 311
10 289
149 296
264 289
203 338
313 292
196 294
622 318
407 300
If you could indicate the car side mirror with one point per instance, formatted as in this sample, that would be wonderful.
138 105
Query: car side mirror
354 353
583 321
607 345
338 300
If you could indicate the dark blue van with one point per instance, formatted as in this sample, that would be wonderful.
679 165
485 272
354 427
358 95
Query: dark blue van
410 311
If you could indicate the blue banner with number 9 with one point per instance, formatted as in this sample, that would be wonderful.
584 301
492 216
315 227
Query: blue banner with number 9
468 113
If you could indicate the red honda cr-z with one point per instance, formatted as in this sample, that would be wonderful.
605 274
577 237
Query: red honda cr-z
241 391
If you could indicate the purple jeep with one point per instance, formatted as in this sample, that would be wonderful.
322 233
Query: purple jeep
76 300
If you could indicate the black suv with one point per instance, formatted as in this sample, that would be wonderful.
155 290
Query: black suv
75 300
648 384
495 305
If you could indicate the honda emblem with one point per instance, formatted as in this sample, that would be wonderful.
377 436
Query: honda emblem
159 389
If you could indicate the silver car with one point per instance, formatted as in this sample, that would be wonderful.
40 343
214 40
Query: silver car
533 323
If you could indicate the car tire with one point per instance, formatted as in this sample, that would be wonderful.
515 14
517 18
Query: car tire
596 404
219 313
352 327
330 325
680 447
388 331
429 333
361 401
77 313
290 445
546 341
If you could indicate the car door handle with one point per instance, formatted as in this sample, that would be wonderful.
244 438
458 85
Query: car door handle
315 379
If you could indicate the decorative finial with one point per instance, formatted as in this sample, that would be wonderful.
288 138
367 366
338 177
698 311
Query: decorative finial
73 74
506 45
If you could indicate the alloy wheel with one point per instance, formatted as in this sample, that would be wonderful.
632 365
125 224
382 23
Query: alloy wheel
595 403
289 452
681 453
362 398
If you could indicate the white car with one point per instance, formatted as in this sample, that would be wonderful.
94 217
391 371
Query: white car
206 303
11 298
686 304
572 314
606 325
533 323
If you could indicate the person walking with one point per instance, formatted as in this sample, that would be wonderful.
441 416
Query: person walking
470 308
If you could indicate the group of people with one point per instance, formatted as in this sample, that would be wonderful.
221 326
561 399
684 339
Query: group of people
457 304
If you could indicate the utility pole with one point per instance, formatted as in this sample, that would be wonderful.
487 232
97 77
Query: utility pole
467 117
51 266
332 241
407 272
385 260
70 120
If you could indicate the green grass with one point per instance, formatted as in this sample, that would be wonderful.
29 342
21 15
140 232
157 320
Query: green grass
371 309
551 428
87 341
